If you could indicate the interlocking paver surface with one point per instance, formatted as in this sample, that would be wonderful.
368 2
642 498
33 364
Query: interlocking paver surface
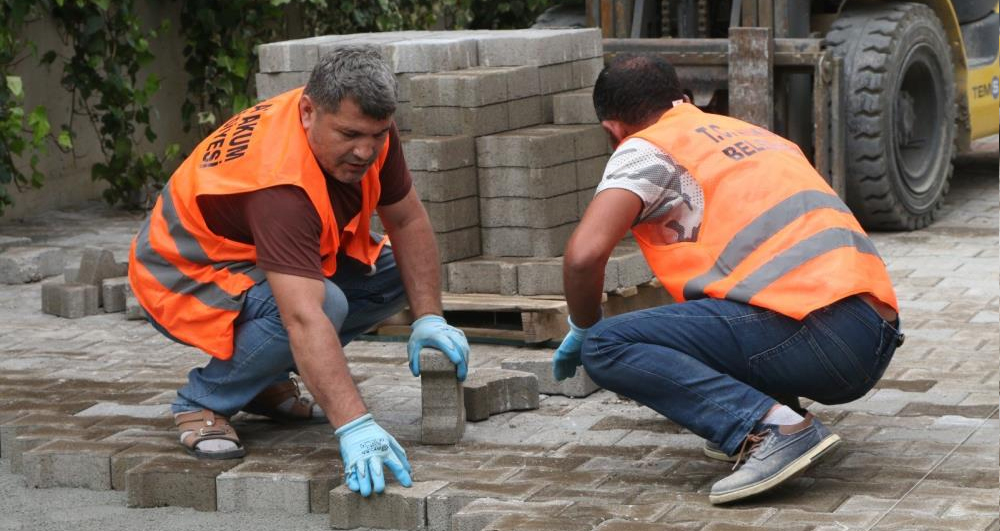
920 452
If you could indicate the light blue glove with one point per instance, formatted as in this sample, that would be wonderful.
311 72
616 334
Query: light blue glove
365 447
567 356
434 332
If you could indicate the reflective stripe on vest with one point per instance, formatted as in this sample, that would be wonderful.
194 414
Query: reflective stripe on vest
192 281
773 233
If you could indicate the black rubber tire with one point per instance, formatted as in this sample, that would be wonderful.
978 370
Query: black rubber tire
972 10
899 109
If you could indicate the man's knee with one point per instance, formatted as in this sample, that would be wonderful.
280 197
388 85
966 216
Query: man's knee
335 304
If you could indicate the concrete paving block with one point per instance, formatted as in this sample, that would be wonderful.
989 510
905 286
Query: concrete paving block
404 116
589 172
175 482
575 107
289 56
270 84
133 310
492 391
471 121
524 242
96 264
533 147
538 46
474 87
589 141
403 86
21 265
113 294
432 55
13 241
81 464
71 301
262 487
538 183
452 215
578 386
528 212
439 153
458 244
524 112
396 508
442 419
479 513
555 78
321 482
139 453
483 275
632 267
544 277
446 185
69 273
12 428
583 198
35 437
585 72
522 82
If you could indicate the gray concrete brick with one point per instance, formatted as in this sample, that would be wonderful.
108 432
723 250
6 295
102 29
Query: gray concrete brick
583 198
396 508
71 301
432 54
536 183
139 453
631 265
113 294
585 71
442 418
472 121
474 87
11 429
479 513
458 244
439 153
175 482
532 147
403 116
265 487
81 464
575 107
20 265
513 241
544 277
589 141
538 46
403 87
133 310
483 275
453 215
524 112
492 391
96 264
527 212
70 272
288 56
446 185
589 172
13 241
522 82
270 84
555 78
578 386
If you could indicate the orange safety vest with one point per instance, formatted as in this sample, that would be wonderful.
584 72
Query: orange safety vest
773 233
192 281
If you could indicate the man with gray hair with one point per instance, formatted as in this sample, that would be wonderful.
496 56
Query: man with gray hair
259 252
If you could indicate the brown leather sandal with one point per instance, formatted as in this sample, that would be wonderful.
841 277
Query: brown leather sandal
268 402
205 425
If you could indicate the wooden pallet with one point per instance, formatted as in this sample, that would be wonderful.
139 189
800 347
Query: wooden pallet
527 320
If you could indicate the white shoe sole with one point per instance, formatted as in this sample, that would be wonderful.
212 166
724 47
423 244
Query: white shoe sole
718 455
800 464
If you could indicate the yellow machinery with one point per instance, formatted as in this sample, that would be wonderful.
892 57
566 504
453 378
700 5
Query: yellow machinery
881 95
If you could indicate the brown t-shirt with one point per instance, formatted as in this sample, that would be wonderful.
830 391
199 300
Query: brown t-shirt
282 222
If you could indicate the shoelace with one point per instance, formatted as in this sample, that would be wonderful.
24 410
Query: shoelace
753 440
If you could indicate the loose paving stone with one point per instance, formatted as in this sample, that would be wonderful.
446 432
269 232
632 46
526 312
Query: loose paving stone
258 487
139 453
133 310
577 386
97 264
13 241
175 482
71 301
21 265
396 508
442 411
113 294
81 464
492 391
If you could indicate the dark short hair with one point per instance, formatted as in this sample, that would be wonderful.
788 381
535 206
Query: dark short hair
634 88
356 72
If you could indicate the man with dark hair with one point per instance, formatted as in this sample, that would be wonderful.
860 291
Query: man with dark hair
780 292
259 252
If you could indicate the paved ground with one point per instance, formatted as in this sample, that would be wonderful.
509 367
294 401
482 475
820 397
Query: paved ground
921 449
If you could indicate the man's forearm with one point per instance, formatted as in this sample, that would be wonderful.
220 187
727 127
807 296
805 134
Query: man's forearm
416 253
323 367
583 285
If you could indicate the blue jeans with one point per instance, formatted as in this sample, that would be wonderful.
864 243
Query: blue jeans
355 301
715 366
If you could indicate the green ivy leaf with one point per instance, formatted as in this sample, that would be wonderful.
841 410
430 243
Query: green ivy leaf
16 86
65 139
38 122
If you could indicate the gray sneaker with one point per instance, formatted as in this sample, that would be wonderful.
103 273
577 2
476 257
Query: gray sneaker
775 455
714 451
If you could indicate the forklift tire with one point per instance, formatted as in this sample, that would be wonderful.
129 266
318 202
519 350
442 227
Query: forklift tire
899 111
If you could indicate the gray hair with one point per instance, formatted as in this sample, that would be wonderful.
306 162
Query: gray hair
356 72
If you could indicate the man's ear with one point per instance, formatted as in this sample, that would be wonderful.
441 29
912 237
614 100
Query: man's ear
307 111
616 130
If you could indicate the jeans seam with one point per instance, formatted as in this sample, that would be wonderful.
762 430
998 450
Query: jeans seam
845 351
862 319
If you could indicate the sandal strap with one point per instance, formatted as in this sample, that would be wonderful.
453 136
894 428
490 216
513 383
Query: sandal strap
205 425
269 400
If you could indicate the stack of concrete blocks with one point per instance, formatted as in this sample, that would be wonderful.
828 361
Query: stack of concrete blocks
98 282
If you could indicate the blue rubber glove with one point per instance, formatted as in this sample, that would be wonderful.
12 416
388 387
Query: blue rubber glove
365 447
567 356
434 332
